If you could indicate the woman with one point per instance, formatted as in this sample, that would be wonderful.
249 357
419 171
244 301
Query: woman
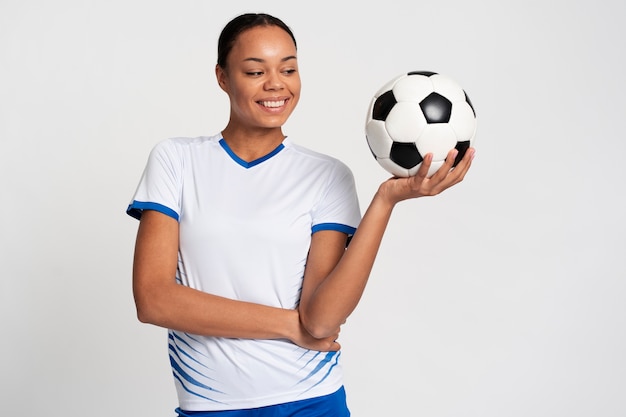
242 248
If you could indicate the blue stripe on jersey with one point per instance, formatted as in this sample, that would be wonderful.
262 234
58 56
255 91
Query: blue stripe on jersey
176 350
349 230
183 370
137 207
320 365
189 383
250 164
193 393
310 360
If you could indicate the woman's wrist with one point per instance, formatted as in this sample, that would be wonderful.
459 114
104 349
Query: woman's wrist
291 329
383 201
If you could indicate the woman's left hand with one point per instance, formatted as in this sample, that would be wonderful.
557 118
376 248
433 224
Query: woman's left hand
397 189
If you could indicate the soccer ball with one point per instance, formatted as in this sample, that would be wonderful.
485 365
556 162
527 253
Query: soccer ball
417 113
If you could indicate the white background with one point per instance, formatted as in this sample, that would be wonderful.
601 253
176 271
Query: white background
502 297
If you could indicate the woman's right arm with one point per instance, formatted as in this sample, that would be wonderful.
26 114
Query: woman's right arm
161 301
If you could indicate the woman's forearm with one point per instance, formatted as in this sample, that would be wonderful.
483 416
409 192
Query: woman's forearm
181 308
338 294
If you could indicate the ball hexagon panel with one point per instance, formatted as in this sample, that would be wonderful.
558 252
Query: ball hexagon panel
378 139
447 87
445 140
413 89
405 122
462 121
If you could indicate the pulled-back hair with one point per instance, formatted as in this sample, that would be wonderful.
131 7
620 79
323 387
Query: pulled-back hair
240 24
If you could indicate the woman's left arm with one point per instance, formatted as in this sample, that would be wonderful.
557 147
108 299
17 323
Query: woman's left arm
335 277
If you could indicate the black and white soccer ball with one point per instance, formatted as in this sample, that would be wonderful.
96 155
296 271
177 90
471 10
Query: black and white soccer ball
417 113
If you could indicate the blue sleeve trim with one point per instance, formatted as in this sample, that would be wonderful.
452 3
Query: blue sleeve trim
137 207
349 230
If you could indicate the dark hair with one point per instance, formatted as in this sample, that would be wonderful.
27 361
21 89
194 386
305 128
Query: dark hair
240 24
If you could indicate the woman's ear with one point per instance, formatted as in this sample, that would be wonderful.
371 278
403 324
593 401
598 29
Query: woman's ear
221 76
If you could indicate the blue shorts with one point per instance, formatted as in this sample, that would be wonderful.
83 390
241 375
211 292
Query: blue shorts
333 405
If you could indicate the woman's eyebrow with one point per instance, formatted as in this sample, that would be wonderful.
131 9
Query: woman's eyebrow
260 60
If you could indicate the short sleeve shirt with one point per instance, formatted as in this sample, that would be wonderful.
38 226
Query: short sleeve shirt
245 231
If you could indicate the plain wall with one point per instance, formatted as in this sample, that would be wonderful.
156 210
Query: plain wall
502 297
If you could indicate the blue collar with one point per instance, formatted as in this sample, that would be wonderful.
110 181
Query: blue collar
250 164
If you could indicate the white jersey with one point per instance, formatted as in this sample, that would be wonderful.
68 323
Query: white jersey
245 231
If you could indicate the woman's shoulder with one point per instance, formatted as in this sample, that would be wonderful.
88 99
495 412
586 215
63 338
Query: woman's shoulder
308 153
181 145
185 141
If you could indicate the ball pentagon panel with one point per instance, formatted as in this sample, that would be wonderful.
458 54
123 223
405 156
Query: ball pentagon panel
393 168
436 108
383 105
405 154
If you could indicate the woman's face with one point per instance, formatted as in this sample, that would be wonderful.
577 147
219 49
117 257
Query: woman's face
261 78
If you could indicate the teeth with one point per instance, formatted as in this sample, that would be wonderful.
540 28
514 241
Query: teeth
273 103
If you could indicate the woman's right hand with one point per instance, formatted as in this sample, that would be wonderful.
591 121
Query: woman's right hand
304 339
